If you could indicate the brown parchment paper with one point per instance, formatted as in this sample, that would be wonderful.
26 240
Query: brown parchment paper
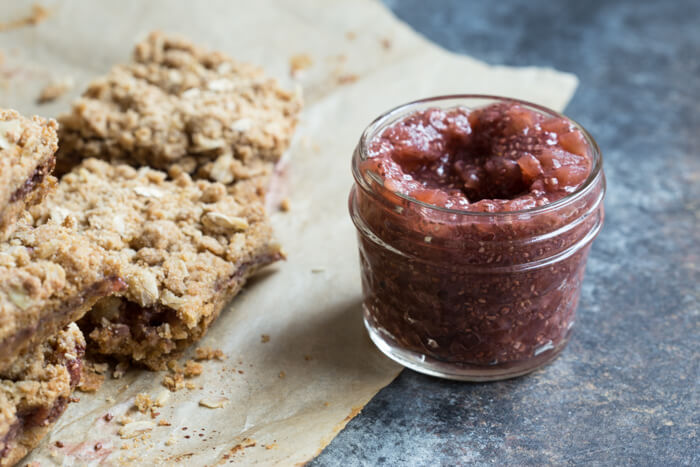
291 395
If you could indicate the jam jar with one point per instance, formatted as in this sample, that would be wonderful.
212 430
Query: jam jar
475 215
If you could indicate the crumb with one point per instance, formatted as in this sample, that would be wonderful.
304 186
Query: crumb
348 78
170 441
174 382
98 446
54 90
154 414
307 358
350 35
73 399
38 14
282 374
161 398
299 62
110 400
124 420
207 353
240 372
192 369
108 417
386 43
285 205
90 379
213 403
162 422
174 366
120 370
59 444
270 446
326 404
317 270
264 338
143 402
190 385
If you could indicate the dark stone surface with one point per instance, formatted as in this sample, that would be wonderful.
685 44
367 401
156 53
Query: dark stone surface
626 390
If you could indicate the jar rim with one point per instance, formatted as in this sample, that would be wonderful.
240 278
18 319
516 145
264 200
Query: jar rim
390 116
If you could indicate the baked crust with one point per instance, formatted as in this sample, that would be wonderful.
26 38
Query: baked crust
35 391
182 108
185 248
27 157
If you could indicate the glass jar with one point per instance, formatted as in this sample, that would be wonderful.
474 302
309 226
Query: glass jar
465 295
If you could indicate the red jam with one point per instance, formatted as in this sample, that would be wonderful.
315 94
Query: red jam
474 227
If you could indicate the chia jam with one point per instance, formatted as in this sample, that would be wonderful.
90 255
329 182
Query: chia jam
475 215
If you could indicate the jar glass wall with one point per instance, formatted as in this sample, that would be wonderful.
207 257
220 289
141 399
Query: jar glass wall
471 295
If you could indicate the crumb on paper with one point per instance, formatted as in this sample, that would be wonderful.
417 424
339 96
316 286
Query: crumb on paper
348 78
308 358
326 404
36 16
299 62
283 375
143 402
246 443
91 378
207 353
285 205
161 398
170 441
270 446
134 429
54 90
386 43
107 417
318 270
351 35
125 420
163 422
190 385
120 370
174 382
192 369
213 402
264 338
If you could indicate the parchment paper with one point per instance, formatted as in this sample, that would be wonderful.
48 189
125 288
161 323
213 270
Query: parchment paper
365 61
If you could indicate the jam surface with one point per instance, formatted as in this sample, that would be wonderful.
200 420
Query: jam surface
504 157
489 294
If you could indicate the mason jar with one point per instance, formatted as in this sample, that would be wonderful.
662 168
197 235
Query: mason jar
471 295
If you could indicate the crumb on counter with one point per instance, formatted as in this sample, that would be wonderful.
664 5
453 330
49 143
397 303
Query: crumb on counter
264 338
283 375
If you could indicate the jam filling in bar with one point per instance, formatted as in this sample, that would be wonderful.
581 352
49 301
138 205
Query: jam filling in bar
27 157
35 391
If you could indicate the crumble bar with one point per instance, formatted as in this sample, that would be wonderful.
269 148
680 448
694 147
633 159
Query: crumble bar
182 108
49 277
27 148
35 391
186 248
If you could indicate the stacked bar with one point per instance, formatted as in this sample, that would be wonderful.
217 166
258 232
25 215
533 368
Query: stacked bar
181 108
49 278
185 247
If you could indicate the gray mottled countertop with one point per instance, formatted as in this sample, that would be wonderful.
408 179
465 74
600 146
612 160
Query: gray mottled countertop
626 391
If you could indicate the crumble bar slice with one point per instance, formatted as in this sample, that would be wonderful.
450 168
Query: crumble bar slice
35 391
182 108
185 247
27 148
49 277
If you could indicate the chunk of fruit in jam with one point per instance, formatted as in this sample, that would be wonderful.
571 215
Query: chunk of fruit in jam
502 157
